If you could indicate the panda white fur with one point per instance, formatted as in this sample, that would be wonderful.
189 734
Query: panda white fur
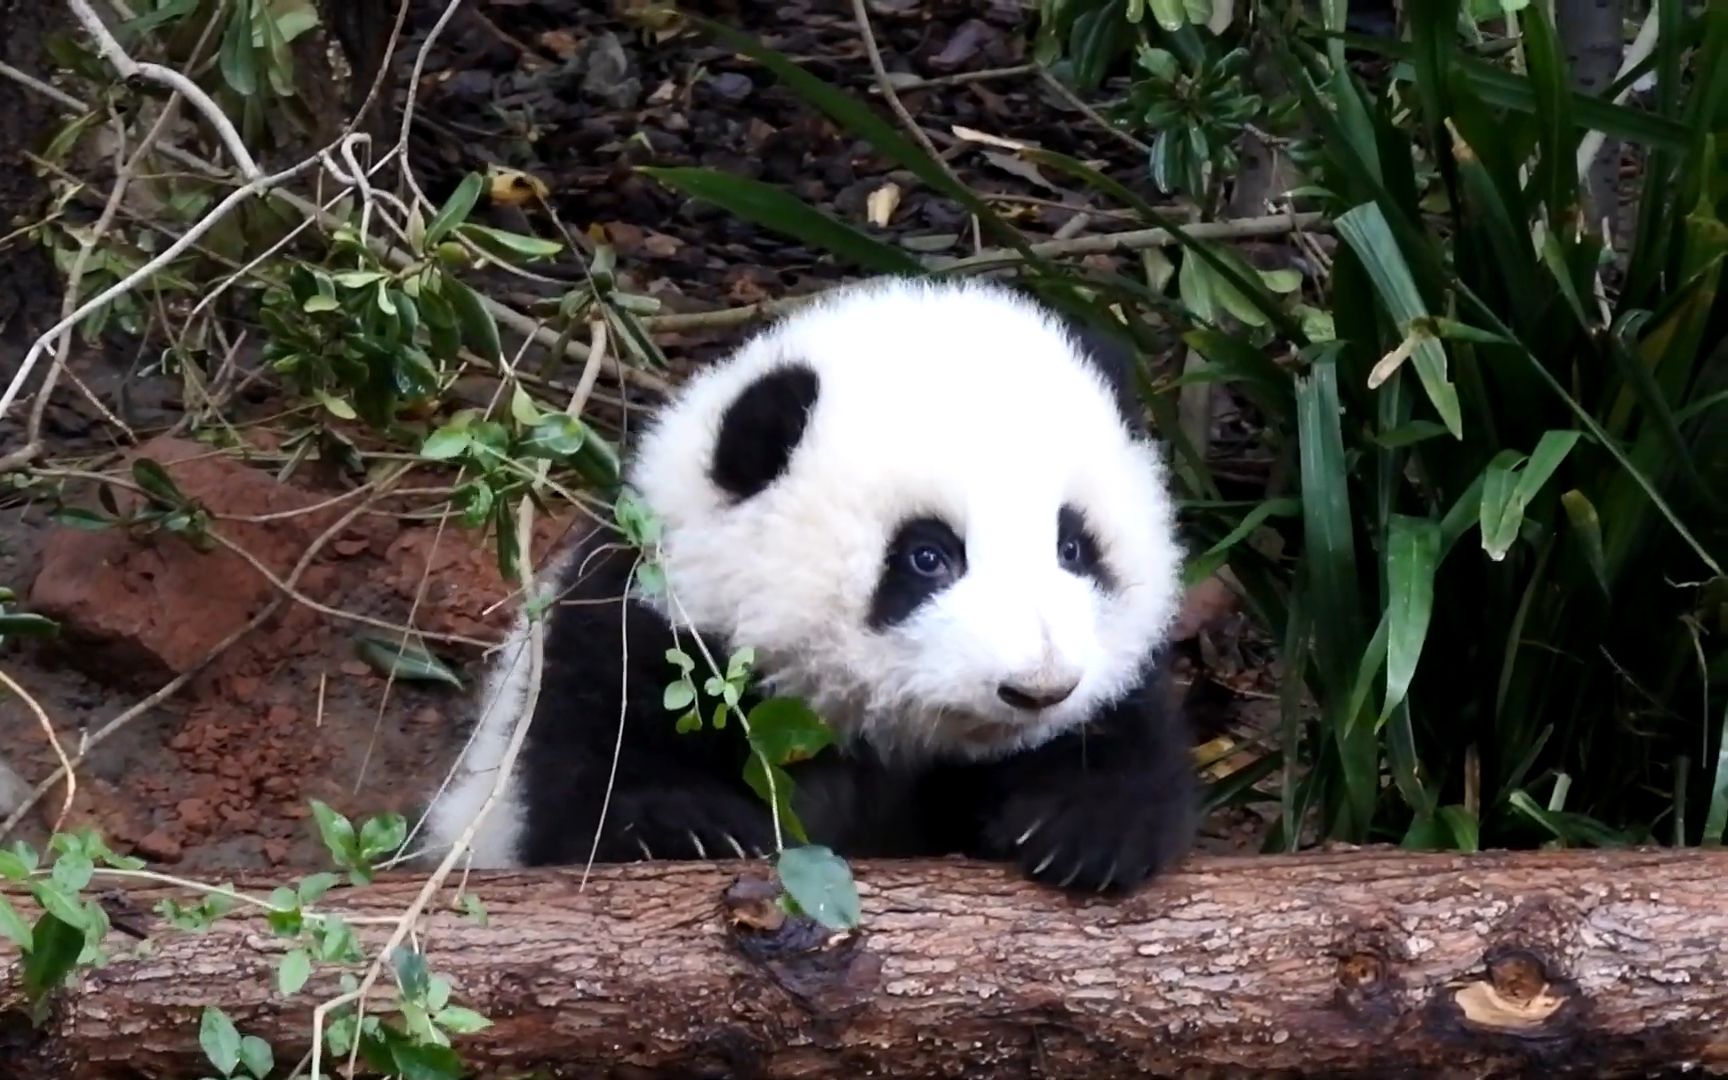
927 508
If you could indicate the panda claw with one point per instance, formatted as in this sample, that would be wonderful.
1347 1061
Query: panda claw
701 852
1109 875
1072 874
730 839
643 844
1027 835
1039 869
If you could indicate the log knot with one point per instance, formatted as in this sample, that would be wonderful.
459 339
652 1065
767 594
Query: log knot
1515 995
828 973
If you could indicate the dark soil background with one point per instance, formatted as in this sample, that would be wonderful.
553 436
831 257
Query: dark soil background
218 776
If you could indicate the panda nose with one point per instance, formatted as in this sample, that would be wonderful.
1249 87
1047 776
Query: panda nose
1033 696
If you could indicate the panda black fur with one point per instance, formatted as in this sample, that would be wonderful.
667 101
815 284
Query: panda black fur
998 695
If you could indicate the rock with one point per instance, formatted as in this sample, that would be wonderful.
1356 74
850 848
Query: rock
143 609
160 846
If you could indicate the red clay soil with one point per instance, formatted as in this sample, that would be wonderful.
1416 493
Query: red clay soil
219 776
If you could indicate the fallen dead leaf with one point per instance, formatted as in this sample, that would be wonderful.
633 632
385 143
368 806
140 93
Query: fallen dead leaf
880 205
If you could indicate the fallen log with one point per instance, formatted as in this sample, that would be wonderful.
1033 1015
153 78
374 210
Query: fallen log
1362 963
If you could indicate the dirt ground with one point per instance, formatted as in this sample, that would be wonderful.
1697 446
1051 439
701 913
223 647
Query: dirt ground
218 776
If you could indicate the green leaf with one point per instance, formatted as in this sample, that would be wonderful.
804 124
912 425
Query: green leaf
156 482
219 1040
13 927
503 245
786 731
406 660
679 696
425 1061
56 901
381 835
479 331
1368 234
455 209
771 208
27 624
257 1056
1587 528
1507 491
337 832
88 520
313 888
1328 525
235 58
555 437
54 953
294 971
1204 565
1413 554
756 774
460 1021
821 884
411 971
13 867
72 871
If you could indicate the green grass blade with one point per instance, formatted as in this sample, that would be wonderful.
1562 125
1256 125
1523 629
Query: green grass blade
855 117
1595 429
1249 286
1329 545
1716 822
1204 565
1412 556
1556 176
774 209
1365 229
1507 90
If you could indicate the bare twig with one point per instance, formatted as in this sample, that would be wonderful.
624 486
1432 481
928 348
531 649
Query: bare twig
47 726
130 69
913 82
1138 239
1090 113
885 83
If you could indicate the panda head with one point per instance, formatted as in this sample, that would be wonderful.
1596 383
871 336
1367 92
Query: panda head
921 506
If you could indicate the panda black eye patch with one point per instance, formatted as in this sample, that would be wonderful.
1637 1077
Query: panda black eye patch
923 557
761 428
1077 549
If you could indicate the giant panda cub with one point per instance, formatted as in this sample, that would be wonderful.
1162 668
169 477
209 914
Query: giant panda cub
928 510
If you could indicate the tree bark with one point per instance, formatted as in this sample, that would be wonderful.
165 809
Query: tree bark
1363 963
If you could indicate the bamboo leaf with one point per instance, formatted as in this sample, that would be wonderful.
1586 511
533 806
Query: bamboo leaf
1368 234
772 208
1413 554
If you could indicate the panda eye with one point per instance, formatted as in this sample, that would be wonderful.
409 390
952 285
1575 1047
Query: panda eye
927 559
1070 551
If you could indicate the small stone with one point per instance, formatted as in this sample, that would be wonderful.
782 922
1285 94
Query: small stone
160 846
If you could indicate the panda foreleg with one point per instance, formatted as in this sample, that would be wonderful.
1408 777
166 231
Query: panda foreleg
1104 809
660 812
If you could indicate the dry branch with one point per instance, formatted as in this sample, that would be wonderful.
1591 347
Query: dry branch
1365 963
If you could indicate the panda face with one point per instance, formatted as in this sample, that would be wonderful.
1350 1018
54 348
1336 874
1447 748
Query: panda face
919 505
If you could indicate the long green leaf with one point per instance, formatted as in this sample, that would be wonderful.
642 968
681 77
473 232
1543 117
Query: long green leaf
1412 556
851 114
774 209
1368 234
1249 285
1329 545
1497 86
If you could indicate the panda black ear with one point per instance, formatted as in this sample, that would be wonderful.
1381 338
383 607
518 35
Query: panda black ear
761 428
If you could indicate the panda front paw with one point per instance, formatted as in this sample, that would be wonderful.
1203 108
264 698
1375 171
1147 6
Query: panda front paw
1097 834
686 825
